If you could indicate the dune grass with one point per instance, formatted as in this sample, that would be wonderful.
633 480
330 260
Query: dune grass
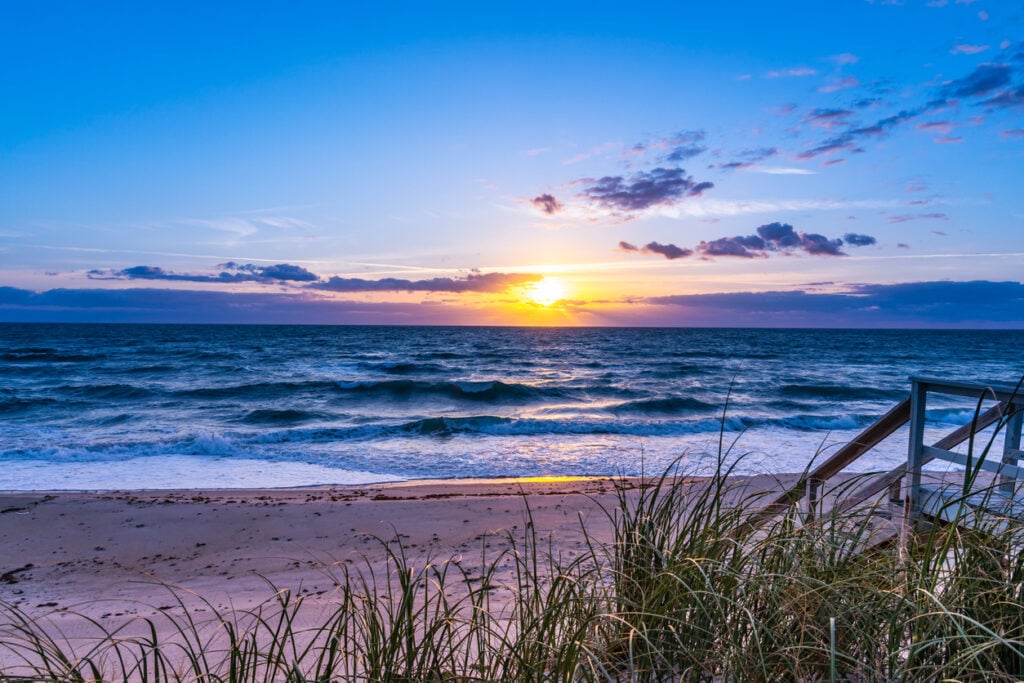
674 595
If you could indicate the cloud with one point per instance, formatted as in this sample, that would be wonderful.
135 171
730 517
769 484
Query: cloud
684 152
983 80
1013 133
965 49
914 304
829 117
856 240
941 127
839 84
142 305
669 251
844 58
1007 99
739 247
474 282
660 186
848 140
547 203
232 273
904 218
797 71
782 170
771 237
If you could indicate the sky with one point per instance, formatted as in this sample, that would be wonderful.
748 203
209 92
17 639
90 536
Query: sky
738 163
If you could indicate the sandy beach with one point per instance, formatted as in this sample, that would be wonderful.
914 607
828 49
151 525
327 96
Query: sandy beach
111 555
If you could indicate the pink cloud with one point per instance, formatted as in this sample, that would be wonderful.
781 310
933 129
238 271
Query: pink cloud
796 71
941 127
845 58
1013 133
841 84
949 140
965 49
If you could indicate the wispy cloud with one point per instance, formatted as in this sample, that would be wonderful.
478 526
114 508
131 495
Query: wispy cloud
474 282
792 72
965 49
906 217
838 84
782 170
231 273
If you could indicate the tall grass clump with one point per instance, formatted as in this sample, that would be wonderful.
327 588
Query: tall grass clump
673 592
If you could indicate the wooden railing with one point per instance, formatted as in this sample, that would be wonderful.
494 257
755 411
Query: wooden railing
1010 409
808 488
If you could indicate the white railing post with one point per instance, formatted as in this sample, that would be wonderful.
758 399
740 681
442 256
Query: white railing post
915 454
1011 447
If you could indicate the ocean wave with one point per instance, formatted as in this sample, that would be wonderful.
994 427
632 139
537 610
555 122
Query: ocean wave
492 391
105 391
491 425
842 392
269 416
46 355
15 404
673 405
257 390
400 368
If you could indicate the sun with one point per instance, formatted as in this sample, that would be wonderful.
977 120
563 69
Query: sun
546 291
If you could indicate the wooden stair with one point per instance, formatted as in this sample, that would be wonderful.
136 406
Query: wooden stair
923 502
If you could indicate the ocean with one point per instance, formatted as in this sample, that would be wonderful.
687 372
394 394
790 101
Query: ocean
102 407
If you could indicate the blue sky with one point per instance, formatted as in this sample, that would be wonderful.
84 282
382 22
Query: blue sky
735 163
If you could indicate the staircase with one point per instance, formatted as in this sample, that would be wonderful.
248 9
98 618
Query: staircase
963 502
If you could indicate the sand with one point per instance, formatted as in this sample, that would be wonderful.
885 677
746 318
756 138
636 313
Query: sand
110 554
71 558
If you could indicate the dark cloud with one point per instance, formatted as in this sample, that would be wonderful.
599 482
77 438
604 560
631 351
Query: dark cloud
232 272
849 140
1008 99
915 304
770 237
855 240
829 117
819 245
684 152
658 186
759 153
474 282
982 81
669 251
732 246
747 158
220 307
547 203
280 271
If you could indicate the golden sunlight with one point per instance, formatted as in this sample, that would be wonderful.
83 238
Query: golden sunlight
547 291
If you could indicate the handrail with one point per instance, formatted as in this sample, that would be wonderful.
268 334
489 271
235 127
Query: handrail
897 416
919 453
951 440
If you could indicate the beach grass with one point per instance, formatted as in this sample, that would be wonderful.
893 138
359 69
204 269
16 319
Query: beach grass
676 594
